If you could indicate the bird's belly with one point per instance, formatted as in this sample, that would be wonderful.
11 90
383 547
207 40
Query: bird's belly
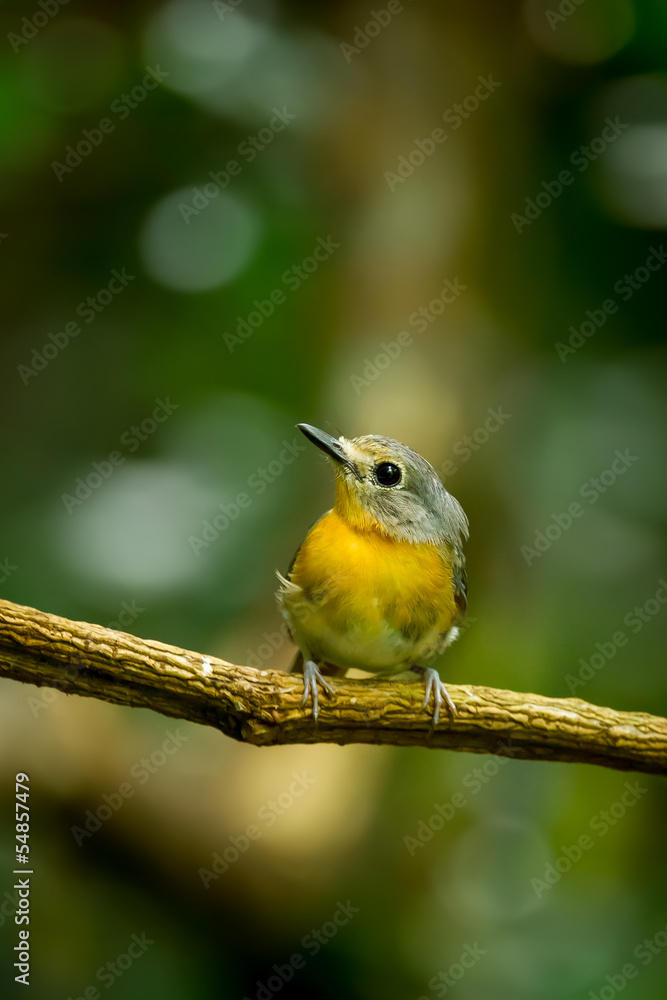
377 646
374 604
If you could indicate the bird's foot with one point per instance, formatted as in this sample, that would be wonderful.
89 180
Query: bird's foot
311 677
433 684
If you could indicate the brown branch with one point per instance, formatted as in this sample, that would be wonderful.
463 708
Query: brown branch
263 707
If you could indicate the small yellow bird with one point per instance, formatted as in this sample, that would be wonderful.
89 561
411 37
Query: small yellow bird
379 582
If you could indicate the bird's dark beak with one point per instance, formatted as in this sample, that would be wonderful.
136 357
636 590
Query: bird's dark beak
331 446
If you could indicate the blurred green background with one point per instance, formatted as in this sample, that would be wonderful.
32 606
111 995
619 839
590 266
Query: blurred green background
167 172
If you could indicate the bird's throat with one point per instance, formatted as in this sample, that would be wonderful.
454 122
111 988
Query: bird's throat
351 510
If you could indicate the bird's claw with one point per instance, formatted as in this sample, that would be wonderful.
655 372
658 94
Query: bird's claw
434 684
311 677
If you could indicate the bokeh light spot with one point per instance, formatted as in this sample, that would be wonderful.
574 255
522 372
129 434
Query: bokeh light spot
209 249
201 50
583 32
239 65
636 176
133 532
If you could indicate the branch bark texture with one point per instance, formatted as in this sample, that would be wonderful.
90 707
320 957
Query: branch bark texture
263 707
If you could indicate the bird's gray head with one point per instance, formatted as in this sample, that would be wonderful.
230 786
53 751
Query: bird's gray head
383 485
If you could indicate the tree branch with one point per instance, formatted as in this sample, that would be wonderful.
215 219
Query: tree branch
263 707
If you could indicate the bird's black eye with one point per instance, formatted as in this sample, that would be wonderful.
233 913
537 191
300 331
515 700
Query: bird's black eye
387 474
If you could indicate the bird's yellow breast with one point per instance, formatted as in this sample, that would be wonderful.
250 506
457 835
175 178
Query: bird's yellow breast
360 598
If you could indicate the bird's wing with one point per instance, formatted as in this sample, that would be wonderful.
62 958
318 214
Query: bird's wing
287 586
296 554
461 587
453 556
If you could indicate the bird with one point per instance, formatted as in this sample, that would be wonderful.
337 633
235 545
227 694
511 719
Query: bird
379 582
